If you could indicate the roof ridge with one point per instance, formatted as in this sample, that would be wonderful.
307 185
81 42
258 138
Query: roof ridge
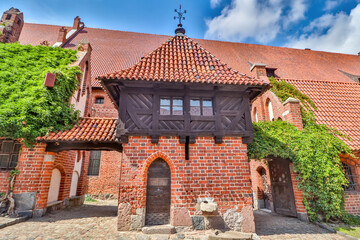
320 81
100 118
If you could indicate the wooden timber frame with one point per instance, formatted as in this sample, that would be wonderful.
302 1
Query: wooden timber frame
139 109
85 145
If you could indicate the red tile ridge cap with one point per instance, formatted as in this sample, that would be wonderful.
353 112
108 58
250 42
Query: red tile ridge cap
317 81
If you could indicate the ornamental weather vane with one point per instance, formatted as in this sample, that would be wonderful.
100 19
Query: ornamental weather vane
180 17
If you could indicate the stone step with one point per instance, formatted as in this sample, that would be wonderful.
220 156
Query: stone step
231 236
160 229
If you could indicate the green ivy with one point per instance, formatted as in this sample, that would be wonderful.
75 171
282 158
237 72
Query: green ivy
27 108
315 153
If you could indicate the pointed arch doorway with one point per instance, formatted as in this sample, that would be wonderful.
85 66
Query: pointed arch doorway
158 193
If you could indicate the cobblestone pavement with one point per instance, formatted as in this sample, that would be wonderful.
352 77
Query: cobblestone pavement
274 226
95 220
98 221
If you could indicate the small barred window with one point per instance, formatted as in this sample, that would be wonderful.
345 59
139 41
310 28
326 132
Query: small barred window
350 177
99 100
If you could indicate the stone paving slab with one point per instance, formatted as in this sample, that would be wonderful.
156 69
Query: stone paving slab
274 226
6 221
98 221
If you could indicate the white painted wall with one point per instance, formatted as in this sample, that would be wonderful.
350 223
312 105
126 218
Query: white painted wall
54 185
74 183
76 173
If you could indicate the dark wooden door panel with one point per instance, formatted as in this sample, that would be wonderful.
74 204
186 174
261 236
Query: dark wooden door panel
281 186
158 193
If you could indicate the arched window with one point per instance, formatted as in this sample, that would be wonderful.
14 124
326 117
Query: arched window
270 110
256 115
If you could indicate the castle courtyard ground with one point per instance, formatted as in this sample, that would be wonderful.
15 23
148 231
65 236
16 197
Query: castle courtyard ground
97 220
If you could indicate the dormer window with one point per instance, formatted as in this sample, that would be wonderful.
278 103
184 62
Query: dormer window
201 107
99 100
171 106
270 72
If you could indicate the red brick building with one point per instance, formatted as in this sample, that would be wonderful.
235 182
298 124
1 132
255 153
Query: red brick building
100 158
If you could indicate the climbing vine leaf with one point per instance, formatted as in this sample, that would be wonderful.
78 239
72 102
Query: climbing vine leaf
27 108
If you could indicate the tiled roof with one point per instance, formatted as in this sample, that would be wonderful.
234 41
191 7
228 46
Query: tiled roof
181 59
338 106
117 50
88 129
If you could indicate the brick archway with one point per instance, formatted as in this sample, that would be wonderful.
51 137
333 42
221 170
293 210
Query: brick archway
152 158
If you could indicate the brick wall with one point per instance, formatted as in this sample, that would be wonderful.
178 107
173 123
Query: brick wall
103 110
352 198
214 170
287 111
107 183
35 166
257 184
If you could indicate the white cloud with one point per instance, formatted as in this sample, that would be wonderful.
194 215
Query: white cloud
331 4
258 19
214 3
335 33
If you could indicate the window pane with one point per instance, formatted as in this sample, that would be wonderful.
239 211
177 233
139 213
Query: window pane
177 111
94 163
207 107
195 111
164 110
177 102
14 160
4 161
207 103
99 100
17 147
7 147
195 103
165 102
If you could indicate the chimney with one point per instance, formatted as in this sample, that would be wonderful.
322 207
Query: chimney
12 23
62 35
84 46
77 23
260 70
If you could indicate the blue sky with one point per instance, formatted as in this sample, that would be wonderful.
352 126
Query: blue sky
330 25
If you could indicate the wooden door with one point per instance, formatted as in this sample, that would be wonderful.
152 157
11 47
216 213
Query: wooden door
158 193
281 187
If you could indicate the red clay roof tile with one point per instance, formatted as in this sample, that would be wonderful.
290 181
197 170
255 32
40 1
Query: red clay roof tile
181 59
88 129
117 50
338 106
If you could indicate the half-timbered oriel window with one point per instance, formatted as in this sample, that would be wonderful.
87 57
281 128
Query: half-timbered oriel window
171 106
94 163
9 154
350 177
201 107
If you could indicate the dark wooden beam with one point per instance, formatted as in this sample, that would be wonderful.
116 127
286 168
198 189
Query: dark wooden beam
68 146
